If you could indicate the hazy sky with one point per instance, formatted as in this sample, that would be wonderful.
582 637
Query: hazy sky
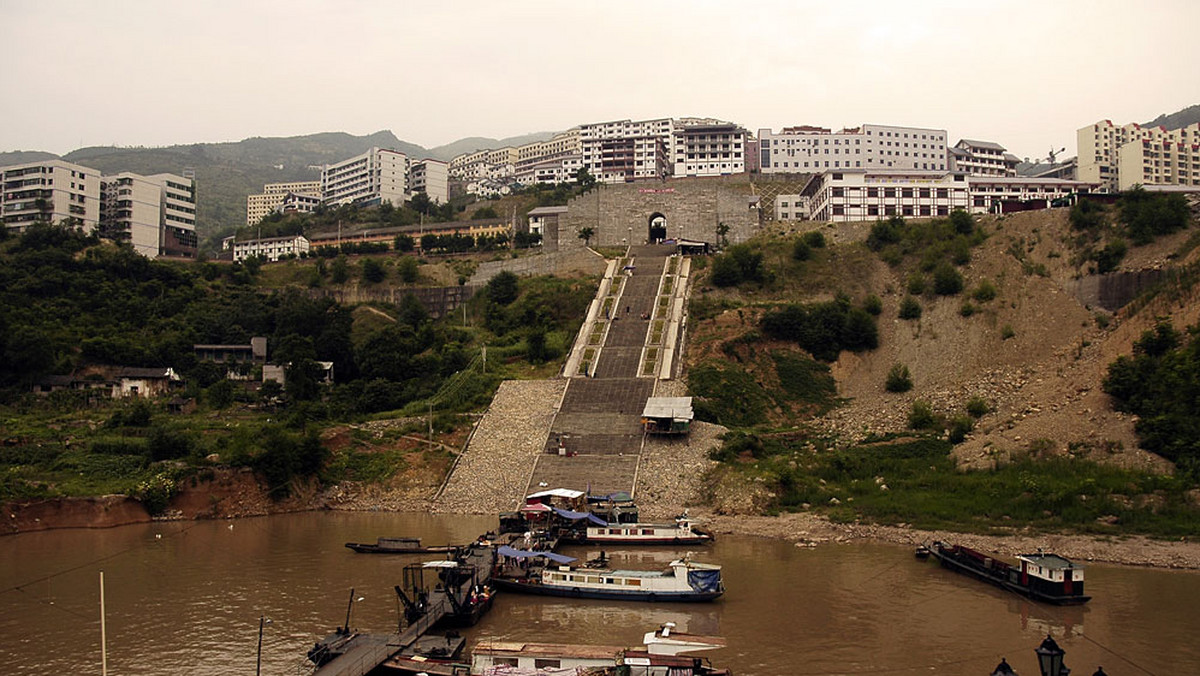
1024 74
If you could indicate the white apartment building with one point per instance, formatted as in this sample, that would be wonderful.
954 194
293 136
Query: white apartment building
376 176
258 206
708 149
866 195
155 214
624 151
270 248
49 191
298 203
872 146
990 194
550 170
1122 157
982 158
431 177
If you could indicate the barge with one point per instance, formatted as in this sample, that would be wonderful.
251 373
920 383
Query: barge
1042 577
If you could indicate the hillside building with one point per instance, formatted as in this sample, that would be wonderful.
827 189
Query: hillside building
809 149
49 191
258 206
369 179
867 195
298 203
431 177
270 248
708 148
982 158
1121 157
155 214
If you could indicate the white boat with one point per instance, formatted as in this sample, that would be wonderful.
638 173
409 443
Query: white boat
683 580
682 532
658 654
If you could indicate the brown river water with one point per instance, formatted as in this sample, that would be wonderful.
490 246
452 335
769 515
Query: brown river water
186 597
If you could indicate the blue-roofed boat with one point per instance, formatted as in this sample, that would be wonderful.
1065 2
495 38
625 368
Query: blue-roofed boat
529 573
1042 577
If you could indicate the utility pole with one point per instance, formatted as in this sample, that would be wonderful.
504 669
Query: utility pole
103 632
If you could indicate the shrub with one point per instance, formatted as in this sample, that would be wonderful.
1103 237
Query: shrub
372 271
910 308
801 250
984 291
916 284
964 223
899 379
967 309
824 329
960 427
921 416
815 239
1007 332
946 280
1149 215
502 289
977 407
1110 257
873 305
1086 215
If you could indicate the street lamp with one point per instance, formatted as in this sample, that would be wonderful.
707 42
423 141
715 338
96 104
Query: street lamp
1050 658
263 620
1003 669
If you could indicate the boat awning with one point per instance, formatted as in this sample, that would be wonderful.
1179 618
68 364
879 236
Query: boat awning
440 564
505 550
556 493
678 409
575 516
536 507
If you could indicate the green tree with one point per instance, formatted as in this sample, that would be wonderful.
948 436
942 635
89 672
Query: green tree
339 272
586 233
407 269
403 243
503 288
483 213
898 379
372 271
421 203
964 223
584 179
910 308
946 280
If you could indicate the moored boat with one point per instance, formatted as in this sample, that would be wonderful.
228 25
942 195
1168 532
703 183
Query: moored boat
682 580
1043 577
682 532
398 546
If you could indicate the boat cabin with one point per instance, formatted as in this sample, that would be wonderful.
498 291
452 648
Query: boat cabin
515 657
1051 574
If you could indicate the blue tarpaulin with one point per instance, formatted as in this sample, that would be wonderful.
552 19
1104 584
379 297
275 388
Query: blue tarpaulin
505 550
705 580
575 516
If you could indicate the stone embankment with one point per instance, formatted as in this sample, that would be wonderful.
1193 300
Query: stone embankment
492 475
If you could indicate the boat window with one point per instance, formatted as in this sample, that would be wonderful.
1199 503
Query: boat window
609 580
546 664
593 580
647 531
634 583
504 661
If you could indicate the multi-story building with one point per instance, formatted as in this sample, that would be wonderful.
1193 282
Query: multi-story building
155 214
552 170
431 177
872 146
258 206
49 191
298 203
270 248
625 151
708 149
982 158
863 195
376 176
1122 157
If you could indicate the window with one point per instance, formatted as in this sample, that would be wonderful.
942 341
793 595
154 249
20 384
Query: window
543 663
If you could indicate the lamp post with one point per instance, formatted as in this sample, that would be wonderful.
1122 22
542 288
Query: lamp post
1050 658
263 620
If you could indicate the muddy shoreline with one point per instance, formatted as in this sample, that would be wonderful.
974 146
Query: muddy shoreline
803 529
